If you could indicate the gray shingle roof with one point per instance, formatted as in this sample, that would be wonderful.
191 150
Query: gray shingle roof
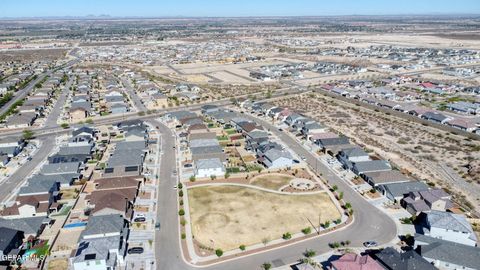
34 186
6 237
104 224
206 150
59 168
372 166
400 189
449 221
409 260
203 142
211 163
29 225
274 154
355 152
447 251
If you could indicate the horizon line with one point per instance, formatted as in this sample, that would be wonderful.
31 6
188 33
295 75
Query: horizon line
107 16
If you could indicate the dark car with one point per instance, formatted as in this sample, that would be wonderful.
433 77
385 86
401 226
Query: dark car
157 226
139 219
370 244
135 250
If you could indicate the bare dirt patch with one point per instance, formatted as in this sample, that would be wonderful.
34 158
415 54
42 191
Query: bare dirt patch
228 216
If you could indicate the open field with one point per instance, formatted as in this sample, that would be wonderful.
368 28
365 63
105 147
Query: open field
32 55
271 181
228 216
425 152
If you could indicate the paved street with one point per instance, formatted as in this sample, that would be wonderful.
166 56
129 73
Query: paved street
58 107
21 174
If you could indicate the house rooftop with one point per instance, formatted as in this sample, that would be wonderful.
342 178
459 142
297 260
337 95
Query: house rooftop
447 251
410 260
60 168
104 224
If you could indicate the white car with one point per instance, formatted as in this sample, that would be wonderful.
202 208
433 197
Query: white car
139 215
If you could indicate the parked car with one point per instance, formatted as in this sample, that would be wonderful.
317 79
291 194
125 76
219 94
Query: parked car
140 219
188 165
157 226
370 244
135 250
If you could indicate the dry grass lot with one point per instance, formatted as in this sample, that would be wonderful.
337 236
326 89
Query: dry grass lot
272 181
59 264
228 216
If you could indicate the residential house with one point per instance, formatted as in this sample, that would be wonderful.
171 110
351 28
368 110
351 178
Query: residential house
30 226
362 167
126 160
385 177
68 154
10 240
436 117
424 201
446 254
448 226
349 156
396 191
276 159
209 167
352 261
391 259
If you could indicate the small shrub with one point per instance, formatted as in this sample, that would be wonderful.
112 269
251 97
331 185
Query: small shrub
181 212
219 252
307 230
287 236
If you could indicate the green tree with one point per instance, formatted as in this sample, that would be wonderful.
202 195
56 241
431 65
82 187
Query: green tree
28 135
180 185
181 212
242 247
326 224
192 178
219 252
266 266
309 253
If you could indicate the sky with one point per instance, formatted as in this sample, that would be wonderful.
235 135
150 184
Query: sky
232 8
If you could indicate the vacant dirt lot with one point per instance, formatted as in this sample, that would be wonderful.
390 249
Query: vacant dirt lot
228 216
425 152
32 55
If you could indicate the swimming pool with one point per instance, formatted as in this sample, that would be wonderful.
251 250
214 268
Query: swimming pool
75 225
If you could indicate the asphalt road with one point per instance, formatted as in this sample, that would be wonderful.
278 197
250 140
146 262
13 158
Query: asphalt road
133 95
57 108
16 179
370 223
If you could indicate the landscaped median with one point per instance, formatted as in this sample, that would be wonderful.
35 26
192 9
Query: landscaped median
228 218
